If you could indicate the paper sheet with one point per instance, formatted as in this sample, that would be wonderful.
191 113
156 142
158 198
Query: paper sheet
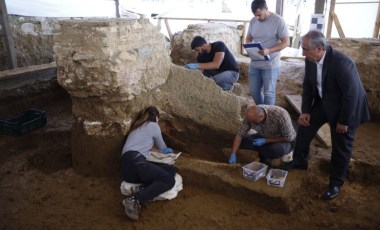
162 158
253 51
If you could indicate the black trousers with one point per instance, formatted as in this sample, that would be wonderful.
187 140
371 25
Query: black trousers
341 145
156 178
267 151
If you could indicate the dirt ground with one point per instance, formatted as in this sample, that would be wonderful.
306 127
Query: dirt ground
40 189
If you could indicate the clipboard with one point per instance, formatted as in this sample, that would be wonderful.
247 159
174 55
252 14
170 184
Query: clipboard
253 51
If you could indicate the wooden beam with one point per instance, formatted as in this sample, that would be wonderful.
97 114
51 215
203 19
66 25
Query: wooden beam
117 4
323 133
168 28
358 2
244 35
166 20
337 25
19 77
26 70
159 23
292 57
330 21
280 7
319 6
205 19
7 33
297 29
376 30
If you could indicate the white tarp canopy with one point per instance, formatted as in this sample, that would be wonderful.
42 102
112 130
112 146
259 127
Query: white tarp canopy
360 27
62 8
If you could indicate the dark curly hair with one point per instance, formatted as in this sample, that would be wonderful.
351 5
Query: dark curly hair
197 42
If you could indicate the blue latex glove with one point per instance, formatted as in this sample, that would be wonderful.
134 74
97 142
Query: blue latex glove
192 66
259 142
232 159
167 150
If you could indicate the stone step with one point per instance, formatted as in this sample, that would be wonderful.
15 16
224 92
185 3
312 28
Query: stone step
228 180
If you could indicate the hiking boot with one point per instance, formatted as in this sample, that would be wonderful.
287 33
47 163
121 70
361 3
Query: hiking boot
132 208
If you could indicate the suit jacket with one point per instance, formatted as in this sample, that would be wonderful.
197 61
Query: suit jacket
343 97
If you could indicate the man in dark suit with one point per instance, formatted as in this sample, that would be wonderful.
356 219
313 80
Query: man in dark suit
333 93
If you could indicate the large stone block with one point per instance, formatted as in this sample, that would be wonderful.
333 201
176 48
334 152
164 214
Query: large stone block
212 32
110 57
197 98
110 68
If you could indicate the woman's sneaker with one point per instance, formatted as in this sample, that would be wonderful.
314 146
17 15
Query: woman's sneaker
129 189
132 208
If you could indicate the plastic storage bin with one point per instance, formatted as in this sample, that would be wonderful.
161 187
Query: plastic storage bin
276 177
23 123
254 171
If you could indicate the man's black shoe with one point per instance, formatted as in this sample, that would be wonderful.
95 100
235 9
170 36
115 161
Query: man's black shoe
331 193
293 165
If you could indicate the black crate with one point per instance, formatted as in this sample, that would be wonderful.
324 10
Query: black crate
23 123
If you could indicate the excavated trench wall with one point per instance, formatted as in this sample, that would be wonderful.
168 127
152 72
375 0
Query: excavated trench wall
114 68
366 54
33 38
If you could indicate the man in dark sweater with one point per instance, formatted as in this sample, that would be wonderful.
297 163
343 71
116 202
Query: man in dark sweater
215 61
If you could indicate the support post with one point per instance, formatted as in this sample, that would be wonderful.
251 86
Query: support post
117 8
243 36
168 28
376 30
7 33
297 29
329 24
280 7
337 25
159 23
319 6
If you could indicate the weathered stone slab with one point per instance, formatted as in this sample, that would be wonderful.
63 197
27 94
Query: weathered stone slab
212 32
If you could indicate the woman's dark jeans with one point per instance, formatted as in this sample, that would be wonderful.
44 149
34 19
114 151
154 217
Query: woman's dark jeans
156 178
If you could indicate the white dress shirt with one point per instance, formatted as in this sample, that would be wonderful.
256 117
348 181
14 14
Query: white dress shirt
319 74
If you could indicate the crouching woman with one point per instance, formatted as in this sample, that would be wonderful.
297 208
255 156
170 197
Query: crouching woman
155 178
